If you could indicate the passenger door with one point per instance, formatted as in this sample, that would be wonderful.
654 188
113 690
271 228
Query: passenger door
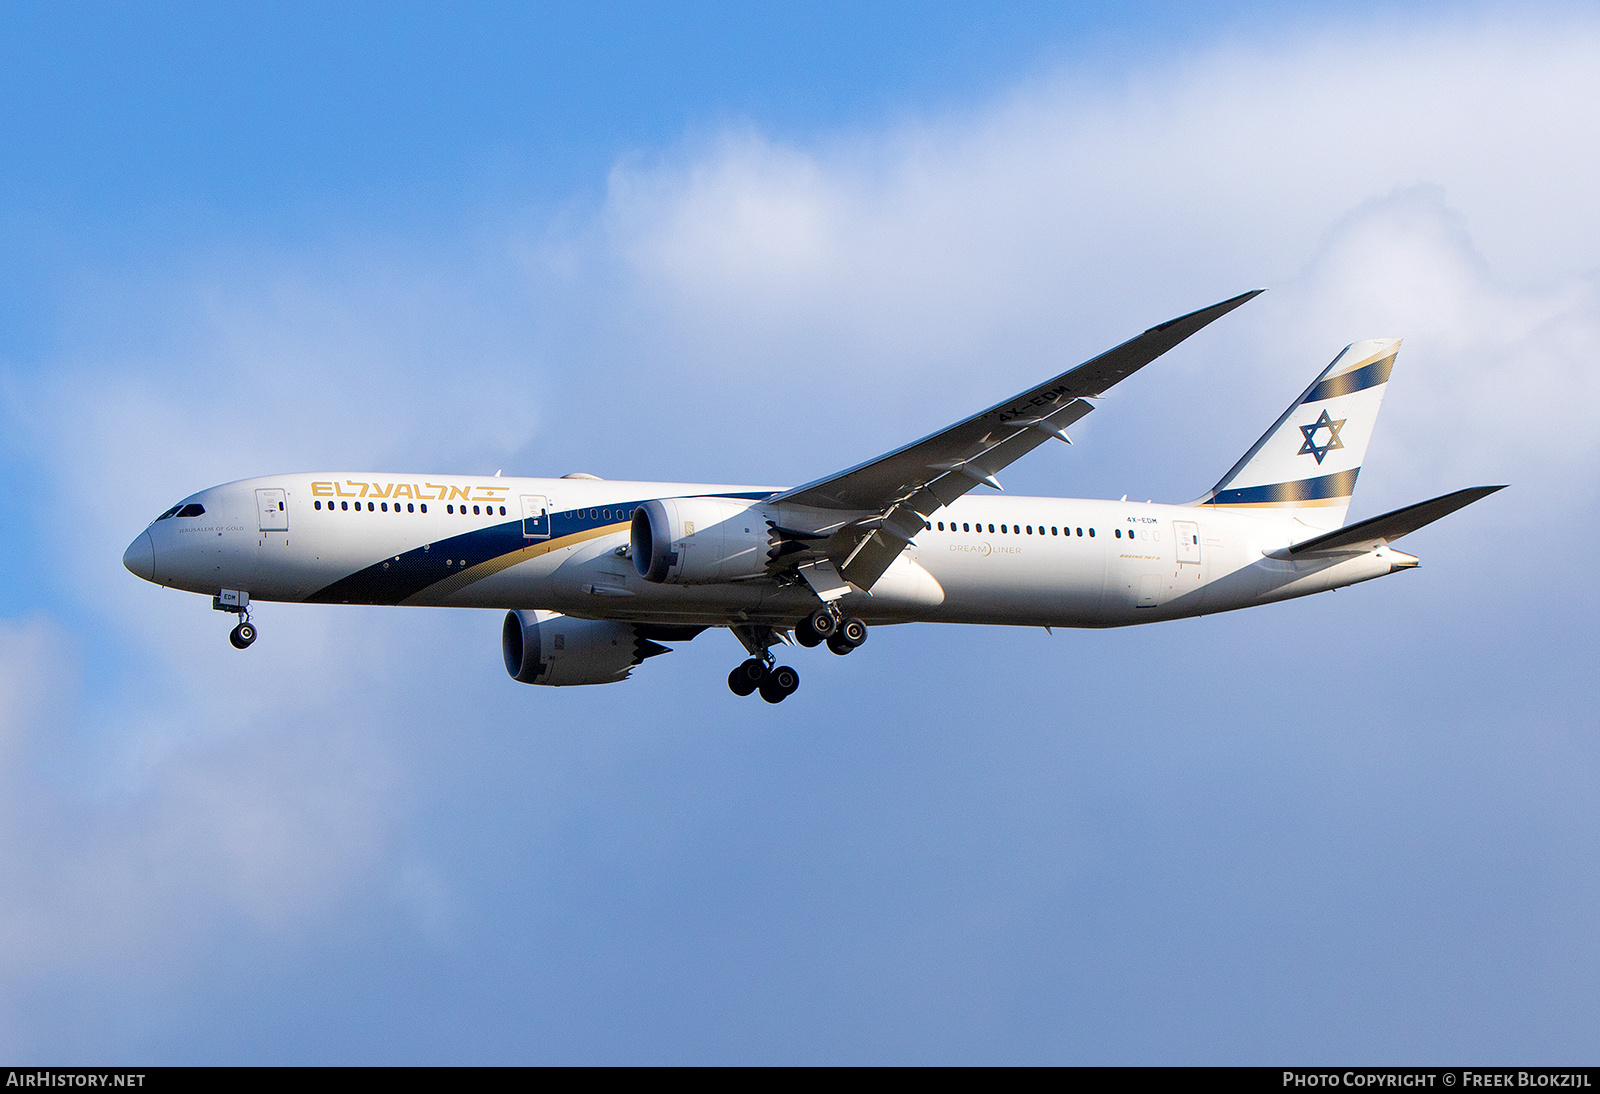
535 516
1187 533
273 509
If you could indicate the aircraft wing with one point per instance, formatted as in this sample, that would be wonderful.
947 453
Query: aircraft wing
906 485
1374 532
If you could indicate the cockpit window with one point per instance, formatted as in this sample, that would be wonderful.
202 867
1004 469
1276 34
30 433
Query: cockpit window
170 512
192 510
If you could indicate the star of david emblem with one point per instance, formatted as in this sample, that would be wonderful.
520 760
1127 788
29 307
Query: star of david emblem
1311 446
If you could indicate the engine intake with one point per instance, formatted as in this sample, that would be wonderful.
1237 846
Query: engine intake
698 541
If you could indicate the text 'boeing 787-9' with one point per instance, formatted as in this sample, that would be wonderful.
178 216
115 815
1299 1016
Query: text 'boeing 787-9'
596 575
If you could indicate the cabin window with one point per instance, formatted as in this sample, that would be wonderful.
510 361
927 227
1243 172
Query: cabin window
316 505
502 510
385 507
966 527
1030 529
991 527
371 508
1091 533
410 508
1052 530
424 508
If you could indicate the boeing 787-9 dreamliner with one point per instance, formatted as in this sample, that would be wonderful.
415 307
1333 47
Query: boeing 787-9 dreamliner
597 575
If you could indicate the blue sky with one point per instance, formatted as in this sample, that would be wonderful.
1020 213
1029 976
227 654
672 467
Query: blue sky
685 245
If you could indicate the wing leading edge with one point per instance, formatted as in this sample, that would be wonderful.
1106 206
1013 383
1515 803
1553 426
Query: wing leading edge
905 486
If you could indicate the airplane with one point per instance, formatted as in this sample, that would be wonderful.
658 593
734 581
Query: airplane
596 576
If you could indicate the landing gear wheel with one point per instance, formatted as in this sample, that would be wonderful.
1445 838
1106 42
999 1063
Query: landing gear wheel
853 632
839 646
242 635
805 635
747 676
780 683
822 622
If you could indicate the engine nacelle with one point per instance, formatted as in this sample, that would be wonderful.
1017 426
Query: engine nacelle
558 650
698 541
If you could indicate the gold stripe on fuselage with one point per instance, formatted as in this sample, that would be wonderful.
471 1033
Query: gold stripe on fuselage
439 590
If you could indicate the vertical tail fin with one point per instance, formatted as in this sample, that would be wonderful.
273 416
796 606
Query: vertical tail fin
1308 461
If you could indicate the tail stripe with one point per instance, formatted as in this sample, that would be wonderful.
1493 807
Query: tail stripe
1340 484
1357 380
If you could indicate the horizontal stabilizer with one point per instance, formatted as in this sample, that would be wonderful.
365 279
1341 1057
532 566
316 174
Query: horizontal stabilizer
1375 532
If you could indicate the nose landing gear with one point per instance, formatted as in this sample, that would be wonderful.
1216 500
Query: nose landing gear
238 602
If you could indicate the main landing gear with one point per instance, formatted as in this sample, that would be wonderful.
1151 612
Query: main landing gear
760 673
777 682
841 635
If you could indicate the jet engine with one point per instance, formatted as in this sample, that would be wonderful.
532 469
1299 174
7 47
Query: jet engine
557 650
698 541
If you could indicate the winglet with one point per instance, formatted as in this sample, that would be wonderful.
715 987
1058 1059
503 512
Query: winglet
1219 309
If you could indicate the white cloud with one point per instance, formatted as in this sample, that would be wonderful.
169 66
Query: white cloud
1420 183
114 854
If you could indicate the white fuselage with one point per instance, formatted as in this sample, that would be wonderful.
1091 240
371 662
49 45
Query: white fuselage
474 542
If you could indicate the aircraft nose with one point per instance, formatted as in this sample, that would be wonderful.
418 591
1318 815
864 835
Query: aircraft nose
140 557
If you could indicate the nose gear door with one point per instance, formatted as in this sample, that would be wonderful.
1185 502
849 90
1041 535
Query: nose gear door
535 516
272 507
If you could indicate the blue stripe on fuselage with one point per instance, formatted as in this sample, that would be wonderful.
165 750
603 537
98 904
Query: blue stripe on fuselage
403 576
